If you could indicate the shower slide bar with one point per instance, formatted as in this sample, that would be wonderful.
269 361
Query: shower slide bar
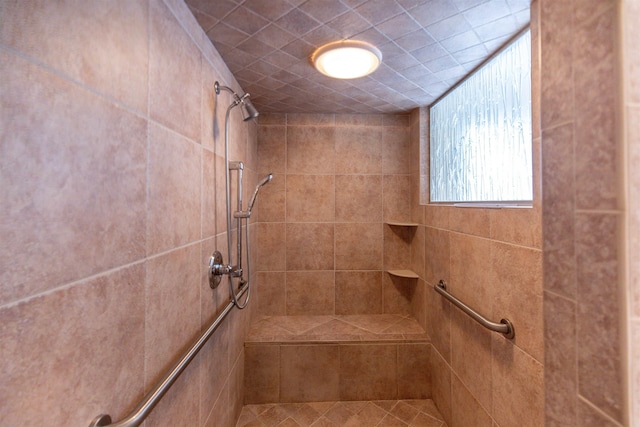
505 326
138 415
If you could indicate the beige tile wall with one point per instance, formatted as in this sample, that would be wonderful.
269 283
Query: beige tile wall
500 275
109 158
631 74
310 372
582 348
492 260
583 213
323 244
93 112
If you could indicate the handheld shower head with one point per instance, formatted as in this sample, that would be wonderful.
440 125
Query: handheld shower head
265 180
262 182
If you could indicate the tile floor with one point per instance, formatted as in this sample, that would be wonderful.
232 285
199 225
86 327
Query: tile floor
383 413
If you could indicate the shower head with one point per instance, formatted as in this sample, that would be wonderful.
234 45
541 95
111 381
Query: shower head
262 182
249 112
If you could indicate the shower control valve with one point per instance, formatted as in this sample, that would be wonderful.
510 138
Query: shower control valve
217 268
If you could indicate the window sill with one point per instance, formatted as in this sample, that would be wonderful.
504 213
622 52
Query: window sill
485 205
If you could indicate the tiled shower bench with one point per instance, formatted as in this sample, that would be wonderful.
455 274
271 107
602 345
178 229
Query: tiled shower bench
336 358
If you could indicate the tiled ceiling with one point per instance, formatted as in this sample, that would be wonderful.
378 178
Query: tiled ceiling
427 46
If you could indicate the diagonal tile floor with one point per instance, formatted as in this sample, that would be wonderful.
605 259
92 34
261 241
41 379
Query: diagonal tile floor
382 413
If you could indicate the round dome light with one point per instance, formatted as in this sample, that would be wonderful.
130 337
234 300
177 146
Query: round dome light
347 59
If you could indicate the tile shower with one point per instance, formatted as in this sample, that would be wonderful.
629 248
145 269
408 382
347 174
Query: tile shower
128 284
350 248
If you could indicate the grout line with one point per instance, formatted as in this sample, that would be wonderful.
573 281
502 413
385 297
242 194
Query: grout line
101 273
225 73
597 409
564 297
286 172
555 126
75 82
71 284
599 211
166 127
145 369
573 198
224 387
482 237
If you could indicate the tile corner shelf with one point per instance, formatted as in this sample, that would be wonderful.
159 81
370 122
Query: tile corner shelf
402 223
403 273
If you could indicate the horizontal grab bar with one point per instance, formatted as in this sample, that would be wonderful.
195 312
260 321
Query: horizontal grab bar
137 416
505 326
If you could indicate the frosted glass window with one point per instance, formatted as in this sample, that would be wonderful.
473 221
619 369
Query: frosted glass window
480 144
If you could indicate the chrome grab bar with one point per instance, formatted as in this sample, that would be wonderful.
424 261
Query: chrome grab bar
505 326
137 416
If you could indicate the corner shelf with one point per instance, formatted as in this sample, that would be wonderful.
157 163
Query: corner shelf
407 274
402 223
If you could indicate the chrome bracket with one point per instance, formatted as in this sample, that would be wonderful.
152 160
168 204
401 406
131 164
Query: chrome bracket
234 166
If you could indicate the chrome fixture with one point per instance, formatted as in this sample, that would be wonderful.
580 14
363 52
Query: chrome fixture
249 112
505 327
263 182
217 267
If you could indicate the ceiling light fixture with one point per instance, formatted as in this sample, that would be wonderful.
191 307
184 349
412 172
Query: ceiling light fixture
346 59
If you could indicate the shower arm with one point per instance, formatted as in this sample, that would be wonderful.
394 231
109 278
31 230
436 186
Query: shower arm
237 99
